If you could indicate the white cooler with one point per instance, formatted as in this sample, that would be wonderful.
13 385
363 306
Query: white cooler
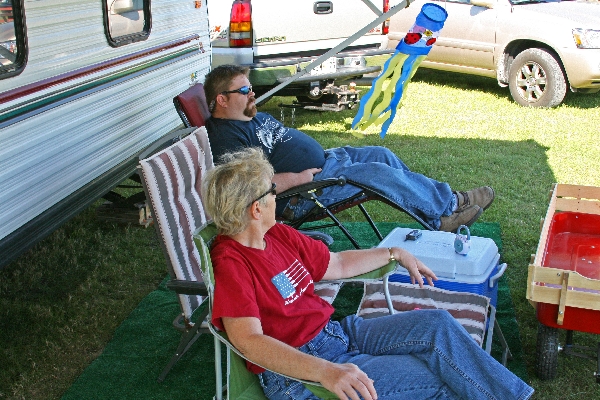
477 272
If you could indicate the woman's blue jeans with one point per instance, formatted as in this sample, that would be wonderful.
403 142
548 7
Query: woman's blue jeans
414 355
381 170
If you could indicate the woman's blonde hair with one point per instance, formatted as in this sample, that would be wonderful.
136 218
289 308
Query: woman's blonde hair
229 188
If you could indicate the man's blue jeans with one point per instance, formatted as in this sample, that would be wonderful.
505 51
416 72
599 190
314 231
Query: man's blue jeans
413 355
381 170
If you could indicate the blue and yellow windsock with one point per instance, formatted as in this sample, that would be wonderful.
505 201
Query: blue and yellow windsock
399 70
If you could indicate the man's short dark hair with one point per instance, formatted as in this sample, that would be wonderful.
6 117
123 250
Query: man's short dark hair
219 79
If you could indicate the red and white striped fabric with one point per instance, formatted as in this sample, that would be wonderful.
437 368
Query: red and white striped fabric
469 309
173 179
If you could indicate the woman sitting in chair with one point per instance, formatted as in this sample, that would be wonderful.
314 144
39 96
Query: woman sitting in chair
264 299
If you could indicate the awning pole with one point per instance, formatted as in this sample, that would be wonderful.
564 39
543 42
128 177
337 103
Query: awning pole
379 20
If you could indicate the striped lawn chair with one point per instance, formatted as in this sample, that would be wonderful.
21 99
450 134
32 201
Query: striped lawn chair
473 311
172 181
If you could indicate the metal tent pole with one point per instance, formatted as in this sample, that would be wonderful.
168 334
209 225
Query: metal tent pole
379 20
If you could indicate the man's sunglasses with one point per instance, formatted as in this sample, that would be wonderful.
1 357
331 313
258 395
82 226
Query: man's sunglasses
272 191
243 90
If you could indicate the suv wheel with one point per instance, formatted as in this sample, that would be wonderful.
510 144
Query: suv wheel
536 79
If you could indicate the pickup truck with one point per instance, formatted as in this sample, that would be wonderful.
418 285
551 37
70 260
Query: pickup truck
538 48
276 39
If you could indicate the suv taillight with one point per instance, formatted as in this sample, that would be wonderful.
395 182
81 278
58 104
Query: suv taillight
240 24
385 28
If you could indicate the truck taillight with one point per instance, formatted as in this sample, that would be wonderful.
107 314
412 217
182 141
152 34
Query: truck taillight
385 28
240 24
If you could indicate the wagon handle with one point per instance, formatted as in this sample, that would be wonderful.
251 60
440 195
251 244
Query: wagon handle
494 278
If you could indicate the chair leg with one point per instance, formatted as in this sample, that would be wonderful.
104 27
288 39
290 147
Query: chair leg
218 370
490 330
388 298
343 229
506 354
370 221
187 340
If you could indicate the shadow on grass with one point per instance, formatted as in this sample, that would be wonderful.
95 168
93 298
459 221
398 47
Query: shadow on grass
62 301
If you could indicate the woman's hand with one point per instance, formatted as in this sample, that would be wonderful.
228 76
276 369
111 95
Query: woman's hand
347 381
414 266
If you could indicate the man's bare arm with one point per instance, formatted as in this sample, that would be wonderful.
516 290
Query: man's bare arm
345 380
287 180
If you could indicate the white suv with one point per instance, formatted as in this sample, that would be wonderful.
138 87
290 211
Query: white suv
277 38
538 48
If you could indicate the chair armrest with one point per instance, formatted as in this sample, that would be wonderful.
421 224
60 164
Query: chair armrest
323 237
243 373
376 274
188 287
305 188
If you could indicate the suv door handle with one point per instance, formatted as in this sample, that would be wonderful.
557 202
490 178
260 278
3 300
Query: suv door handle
323 7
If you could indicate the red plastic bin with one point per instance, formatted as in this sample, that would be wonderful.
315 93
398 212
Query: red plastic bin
563 283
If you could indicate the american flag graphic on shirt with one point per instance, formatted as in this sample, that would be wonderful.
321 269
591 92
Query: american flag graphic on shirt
288 281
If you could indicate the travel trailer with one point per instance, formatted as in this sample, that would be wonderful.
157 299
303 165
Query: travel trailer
85 86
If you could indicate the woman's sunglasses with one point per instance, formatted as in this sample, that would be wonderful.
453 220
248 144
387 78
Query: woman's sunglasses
243 90
272 191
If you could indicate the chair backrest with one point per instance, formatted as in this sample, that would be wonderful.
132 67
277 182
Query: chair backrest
172 181
241 383
191 106
245 385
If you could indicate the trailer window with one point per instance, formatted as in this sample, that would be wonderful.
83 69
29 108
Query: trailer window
126 21
13 43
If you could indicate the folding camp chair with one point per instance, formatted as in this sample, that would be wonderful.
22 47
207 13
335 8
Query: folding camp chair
193 109
171 180
473 311
380 297
320 211
243 383
191 106
171 176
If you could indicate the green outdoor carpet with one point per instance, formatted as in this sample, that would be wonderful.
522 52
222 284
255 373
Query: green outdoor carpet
146 340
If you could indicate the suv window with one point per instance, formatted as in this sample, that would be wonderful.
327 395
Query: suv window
13 43
126 21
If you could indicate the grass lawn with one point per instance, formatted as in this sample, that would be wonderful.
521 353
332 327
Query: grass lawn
61 301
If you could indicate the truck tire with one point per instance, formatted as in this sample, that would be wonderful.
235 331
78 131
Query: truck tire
546 352
536 79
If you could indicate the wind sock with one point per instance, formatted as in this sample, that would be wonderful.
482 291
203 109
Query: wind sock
400 68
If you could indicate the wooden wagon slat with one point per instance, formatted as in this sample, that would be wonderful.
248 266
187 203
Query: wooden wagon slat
554 276
551 295
578 205
539 254
578 191
581 297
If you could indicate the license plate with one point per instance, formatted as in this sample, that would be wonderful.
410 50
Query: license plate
327 67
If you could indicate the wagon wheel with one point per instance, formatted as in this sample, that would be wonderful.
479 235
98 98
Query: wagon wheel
546 352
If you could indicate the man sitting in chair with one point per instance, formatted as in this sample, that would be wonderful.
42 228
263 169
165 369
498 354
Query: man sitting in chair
264 300
298 158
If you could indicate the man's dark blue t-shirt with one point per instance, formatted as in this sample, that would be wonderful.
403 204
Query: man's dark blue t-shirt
288 150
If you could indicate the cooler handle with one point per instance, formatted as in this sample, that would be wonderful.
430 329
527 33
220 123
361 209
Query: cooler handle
494 278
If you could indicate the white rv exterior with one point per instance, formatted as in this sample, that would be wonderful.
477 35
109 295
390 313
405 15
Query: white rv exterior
80 109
